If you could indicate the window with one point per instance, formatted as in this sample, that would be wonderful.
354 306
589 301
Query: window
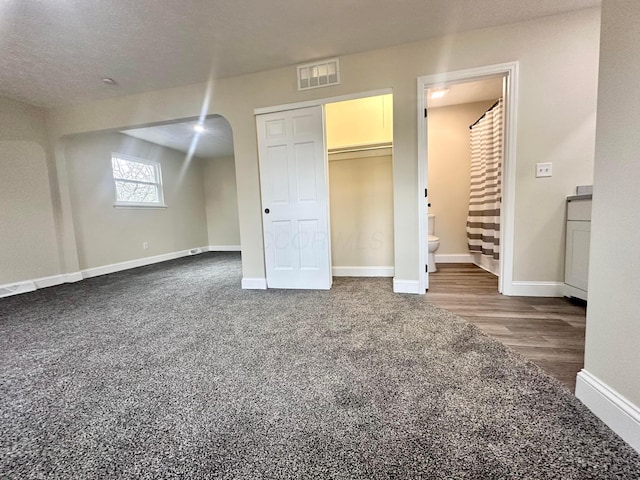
138 182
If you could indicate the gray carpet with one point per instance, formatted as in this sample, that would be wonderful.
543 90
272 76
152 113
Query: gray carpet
172 371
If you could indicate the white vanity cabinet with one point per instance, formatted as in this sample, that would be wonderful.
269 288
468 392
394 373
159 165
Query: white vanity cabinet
576 265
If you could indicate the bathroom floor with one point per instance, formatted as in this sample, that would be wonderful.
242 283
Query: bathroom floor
547 331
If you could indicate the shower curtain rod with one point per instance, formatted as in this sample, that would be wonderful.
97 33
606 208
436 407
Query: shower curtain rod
482 116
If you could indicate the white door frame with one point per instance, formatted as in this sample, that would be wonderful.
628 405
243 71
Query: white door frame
507 210
321 101
314 103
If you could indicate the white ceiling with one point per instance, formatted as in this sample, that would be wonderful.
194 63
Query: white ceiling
477 91
55 52
215 141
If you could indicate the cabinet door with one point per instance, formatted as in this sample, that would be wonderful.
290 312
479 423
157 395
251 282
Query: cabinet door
576 271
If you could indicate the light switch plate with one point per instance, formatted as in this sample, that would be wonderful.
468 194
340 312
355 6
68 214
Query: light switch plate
544 169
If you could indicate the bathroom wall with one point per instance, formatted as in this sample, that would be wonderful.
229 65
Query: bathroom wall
449 157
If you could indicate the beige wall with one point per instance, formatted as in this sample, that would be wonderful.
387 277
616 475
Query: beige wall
106 235
612 350
221 201
448 173
361 183
28 246
558 58
365 121
361 197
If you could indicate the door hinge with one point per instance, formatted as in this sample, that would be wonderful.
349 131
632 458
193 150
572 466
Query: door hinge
426 268
425 193
425 113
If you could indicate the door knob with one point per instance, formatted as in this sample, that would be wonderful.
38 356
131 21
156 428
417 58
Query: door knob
266 210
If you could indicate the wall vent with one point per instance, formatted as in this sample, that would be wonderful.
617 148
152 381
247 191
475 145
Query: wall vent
319 74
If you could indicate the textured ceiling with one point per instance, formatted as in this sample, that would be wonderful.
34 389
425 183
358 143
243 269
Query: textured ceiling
55 52
215 141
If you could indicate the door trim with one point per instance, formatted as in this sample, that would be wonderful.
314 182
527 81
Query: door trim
321 101
507 211
313 103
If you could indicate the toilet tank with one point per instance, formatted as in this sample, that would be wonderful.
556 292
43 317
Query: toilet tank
432 224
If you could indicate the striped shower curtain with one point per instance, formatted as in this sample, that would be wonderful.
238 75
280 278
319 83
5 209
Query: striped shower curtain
483 222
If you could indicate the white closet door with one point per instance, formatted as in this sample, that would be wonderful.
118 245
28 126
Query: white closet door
295 211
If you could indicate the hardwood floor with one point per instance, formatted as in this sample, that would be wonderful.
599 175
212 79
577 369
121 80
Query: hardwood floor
547 331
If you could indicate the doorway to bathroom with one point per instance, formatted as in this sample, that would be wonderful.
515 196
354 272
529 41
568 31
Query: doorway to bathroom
465 161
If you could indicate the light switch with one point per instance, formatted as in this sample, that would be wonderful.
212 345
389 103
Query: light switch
544 169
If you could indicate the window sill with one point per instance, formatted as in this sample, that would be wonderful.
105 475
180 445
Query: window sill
138 206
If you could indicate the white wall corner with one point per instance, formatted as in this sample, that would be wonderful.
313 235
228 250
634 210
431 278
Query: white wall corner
622 416
254 283
362 271
406 286
224 248
535 289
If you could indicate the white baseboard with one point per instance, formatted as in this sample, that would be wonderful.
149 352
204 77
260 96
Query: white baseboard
362 271
254 283
537 289
487 269
31 285
17 288
58 280
406 286
139 262
453 258
69 278
622 416
54 280
571 291
35 284
224 248
488 264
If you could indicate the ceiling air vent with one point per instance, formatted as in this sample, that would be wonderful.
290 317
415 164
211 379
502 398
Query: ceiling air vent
319 74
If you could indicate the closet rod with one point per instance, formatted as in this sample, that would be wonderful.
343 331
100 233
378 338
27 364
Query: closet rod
482 116
360 149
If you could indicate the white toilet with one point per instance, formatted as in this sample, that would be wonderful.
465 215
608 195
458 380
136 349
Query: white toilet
434 243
